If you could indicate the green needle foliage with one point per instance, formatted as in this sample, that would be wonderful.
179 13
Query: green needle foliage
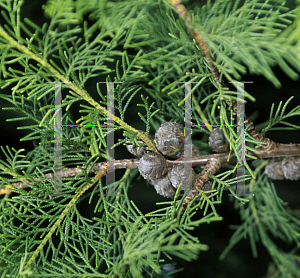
147 48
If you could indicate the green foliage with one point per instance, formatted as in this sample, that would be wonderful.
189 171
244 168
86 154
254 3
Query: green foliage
265 218
147 48
280 116
249 36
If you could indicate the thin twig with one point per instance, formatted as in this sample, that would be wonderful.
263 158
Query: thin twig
280 150
72 172
271 149
62 216
181 10
12 43
212 166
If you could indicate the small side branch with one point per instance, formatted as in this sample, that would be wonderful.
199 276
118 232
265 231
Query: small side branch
62 216
264 150
181 10
72 172
280 150
212 166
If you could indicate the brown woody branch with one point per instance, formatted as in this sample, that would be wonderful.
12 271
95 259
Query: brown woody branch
212 162
270 149
181 10
72 172
280 150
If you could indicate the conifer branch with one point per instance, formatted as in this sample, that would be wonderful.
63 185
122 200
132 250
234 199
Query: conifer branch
279 150
73 87
72 172
62 216
264 151
200 112
121 240
181 10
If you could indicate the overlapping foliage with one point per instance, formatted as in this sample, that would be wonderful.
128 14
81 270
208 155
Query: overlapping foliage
146 47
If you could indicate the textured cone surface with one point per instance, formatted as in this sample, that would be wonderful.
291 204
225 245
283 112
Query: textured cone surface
164 187
169 140
182 173
137 150
274 170
218 142
291 168
152 166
